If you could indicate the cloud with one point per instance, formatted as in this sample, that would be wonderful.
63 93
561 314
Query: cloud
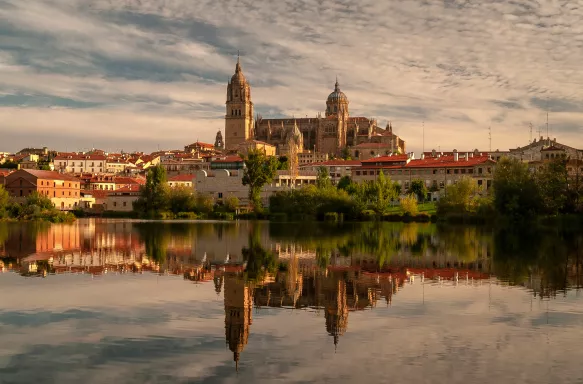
458 66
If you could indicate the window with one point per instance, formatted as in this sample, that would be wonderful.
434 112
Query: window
54 193
69 193
357 173
456 171
364 173
220 195
479 182
480 171
21 192
20 181
125 203
115 203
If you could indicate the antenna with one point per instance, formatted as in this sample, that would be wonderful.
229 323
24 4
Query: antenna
530 126
490 137
423 136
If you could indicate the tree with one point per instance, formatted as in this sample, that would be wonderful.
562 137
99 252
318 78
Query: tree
344 183
323 181
282 163
153 195
231 203
181 199
4 201
409 204
345 154
461 197
204 203
553 183
419 189
259 170
516 195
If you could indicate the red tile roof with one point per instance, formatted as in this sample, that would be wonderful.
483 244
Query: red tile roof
80 157
347 163
448 161
47 175
182 178
130 180
386 159
201 144
229 159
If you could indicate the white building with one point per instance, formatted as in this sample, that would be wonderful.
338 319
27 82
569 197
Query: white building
222 183
79 163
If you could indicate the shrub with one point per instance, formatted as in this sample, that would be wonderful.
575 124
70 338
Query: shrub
330 216
409 204
187 215
368 215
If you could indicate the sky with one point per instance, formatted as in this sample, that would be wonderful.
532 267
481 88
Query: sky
149 74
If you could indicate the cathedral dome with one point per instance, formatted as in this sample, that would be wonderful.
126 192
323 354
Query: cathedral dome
337 95
238 77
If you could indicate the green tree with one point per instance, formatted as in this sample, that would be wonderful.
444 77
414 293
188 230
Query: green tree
409 204
553 183
516 195
231 203
259 170
181 199
323 181
154 195
4 201
345 183
345 154
282 163
419 189
204 203
461 197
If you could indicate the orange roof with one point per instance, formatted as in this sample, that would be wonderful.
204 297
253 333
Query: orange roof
347 163
229 159
130 180
46 175
201 144
386 159
80 157
448 161
182 178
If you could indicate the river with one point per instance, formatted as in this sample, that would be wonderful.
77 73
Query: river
117 301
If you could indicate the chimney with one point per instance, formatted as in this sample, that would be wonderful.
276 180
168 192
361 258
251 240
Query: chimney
456 156
422 155
467 156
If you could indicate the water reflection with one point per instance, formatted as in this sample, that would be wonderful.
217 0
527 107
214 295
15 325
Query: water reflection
336 272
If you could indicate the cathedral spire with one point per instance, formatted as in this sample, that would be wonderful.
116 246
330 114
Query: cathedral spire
238 66
336 85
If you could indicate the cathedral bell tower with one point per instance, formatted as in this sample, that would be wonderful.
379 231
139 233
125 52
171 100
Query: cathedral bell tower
239 111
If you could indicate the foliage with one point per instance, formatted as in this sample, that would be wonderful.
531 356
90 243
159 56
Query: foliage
331 216
259 170
409 204
346 184
345 154
181 199
516 194
204 203
323 181
552 182
419 189
312 201
258 259
376 195
9 165
282 163
4 201
154 196
461 197
231 203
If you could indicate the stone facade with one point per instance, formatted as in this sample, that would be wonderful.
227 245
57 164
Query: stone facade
329 133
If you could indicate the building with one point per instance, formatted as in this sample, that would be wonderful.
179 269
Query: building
436 171
181 181
222 183
183 166
310 157
337 169
198 147
219 143
122 200
329 133
63 190
238 314
255 145
542 149
80 163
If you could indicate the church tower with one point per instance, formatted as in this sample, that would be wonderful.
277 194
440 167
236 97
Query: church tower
239 111
219 144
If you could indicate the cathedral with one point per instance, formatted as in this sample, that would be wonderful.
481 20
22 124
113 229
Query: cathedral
330 133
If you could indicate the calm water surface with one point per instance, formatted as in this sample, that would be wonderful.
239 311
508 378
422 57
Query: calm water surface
106 301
